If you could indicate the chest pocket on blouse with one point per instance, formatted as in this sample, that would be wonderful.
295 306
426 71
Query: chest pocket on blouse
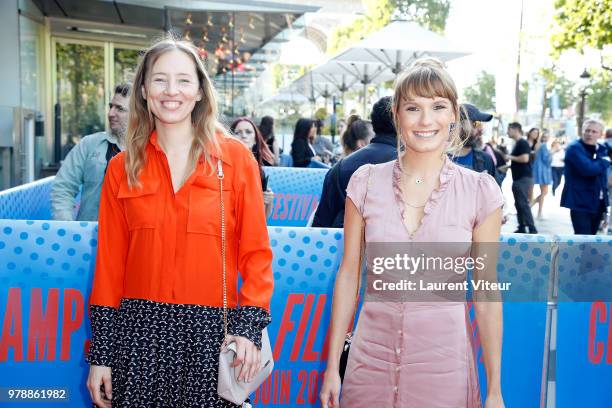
141 205
205 207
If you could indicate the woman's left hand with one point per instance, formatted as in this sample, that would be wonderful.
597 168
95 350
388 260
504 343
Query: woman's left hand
247 355
494 401
268 197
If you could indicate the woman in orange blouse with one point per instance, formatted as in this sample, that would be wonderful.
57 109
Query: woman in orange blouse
156 303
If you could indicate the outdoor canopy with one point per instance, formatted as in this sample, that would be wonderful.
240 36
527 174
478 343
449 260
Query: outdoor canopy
398 44
381 56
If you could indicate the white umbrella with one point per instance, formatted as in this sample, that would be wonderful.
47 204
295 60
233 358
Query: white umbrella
344 75
398 44
315 84
365 73
285 96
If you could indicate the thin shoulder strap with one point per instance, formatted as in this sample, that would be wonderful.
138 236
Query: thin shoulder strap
362 240
220 177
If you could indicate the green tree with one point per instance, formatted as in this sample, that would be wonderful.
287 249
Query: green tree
563 87
284 74
321 114
428 13
550 79
565 91
599 99
582 23
523 95
126 61
80 76
431 14
482 92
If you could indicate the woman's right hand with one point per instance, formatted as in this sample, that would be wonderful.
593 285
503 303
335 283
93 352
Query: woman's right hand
99 375
330 390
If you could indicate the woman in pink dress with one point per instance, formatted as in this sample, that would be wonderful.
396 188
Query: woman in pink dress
417 354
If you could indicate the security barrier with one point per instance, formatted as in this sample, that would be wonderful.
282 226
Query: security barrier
296 196
584 322
46 270
27 202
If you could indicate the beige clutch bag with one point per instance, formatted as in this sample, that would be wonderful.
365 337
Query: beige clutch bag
237 392
228 387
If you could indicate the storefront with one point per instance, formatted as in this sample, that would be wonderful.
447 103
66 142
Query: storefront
72 53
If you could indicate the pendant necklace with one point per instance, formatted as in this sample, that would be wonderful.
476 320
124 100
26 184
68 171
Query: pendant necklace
417 180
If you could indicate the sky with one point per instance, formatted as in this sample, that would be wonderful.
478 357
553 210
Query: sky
489 29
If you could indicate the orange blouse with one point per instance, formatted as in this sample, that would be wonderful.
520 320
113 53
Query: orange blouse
158 245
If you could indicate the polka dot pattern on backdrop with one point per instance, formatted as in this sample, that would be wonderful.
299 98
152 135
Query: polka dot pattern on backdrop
45 254
585 269
29 201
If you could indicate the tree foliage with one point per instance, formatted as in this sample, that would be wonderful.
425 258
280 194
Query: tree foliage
523 95
80 73
431 14
284 74
582 23
482 92
565 91
126 61
599 99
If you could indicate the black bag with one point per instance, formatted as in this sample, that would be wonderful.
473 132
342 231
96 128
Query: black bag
344 355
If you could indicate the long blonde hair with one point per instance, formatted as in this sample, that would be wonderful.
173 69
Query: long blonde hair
428 78
204 117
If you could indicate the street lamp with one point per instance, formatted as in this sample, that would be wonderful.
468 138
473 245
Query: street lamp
584 81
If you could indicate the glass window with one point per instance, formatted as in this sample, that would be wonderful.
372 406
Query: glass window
80 91
30 54
126 61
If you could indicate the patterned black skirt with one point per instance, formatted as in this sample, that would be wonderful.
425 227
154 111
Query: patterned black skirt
166 355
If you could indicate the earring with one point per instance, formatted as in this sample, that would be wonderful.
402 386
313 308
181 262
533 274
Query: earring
451 130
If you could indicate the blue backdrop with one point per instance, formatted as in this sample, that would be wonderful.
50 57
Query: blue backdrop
296 195
45 275
46 270
584 328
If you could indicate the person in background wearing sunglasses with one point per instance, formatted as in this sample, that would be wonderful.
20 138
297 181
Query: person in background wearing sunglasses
470 155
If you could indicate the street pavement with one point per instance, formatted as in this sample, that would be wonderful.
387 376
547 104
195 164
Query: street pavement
556 219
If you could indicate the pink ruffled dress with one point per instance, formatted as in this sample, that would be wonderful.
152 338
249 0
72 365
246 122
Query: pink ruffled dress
411 354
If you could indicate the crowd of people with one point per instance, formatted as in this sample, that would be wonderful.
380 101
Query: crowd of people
537 163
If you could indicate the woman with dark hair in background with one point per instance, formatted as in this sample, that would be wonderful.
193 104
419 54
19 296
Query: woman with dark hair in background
266 127
542 171
356 136
247 132
302 150
323 146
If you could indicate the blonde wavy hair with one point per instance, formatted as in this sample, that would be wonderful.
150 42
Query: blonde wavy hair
428 78
204 117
